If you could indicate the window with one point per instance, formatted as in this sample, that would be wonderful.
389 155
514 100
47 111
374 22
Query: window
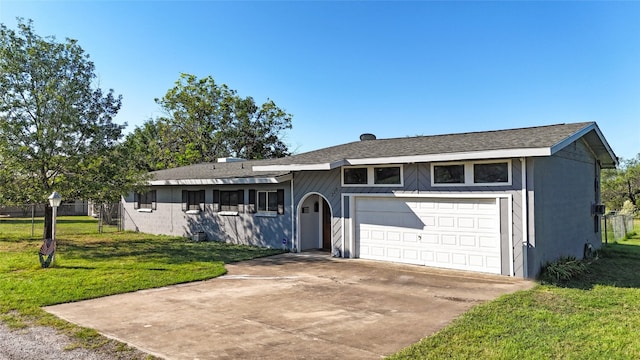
355 176
228 200
491 173
448 174
193 201
372 176
268 201
472 173
386 175
146 200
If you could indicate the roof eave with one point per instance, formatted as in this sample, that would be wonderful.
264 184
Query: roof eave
608 158
301 167
226 181
489 154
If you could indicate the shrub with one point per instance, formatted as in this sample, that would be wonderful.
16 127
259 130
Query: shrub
564 269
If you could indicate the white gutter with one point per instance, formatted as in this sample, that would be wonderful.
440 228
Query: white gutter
293 237
342 225
525 218
229 181
510 229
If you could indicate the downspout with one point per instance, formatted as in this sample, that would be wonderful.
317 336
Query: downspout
525 218
171 207
294 245
342 225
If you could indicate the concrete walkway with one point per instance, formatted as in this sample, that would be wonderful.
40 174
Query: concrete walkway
291 306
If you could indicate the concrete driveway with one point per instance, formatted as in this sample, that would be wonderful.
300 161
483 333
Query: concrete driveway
291 306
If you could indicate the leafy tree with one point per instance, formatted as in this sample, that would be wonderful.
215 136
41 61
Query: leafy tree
622 184
205 121
56 128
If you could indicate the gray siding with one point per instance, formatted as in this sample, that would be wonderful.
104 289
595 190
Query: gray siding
417 180
245 228
327 184
565 187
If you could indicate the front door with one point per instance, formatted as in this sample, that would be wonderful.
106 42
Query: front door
326 225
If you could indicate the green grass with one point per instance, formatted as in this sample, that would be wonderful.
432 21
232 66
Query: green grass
594 316
89 265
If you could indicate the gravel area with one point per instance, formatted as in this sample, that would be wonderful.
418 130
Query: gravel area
44 343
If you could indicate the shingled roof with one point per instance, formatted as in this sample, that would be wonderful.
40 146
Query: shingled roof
216 173
522 142
532 141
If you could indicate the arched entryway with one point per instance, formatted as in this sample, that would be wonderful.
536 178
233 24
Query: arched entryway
314 214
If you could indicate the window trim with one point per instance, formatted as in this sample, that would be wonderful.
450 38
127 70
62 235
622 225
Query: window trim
267 211
469 178
253 202
371 175
150 195
233 210
185 201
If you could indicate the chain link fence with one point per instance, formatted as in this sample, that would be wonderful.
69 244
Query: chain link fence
109 216
37 210
615 227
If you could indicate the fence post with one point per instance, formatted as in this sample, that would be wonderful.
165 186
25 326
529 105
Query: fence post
120 220
606 235
33 215
100 219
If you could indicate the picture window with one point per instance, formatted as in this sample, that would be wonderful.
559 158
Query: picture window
372 176
355 176
472 173
491 173
448 174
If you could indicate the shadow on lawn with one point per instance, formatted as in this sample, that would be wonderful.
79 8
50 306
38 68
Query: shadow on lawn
170 252
39 221
617 265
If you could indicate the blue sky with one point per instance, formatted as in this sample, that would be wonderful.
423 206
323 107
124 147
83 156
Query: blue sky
394 69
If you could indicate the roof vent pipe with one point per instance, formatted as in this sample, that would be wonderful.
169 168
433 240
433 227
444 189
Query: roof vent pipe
366 137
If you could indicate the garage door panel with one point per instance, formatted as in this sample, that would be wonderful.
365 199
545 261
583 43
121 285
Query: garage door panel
449 239
493 262
376 251
389 219
445 206
467 241
430 239
393 235
427 256
443 257
466 206
410 255
466 223
446 221
426 205
486 242
476 260
394 252
487 224
459 259
377 235
452 233
409 237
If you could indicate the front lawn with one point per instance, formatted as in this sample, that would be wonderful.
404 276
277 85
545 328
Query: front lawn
89 265
594 317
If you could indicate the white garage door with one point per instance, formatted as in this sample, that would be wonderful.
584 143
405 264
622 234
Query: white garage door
450 233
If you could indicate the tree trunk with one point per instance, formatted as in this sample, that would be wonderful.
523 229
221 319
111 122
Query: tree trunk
48 221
